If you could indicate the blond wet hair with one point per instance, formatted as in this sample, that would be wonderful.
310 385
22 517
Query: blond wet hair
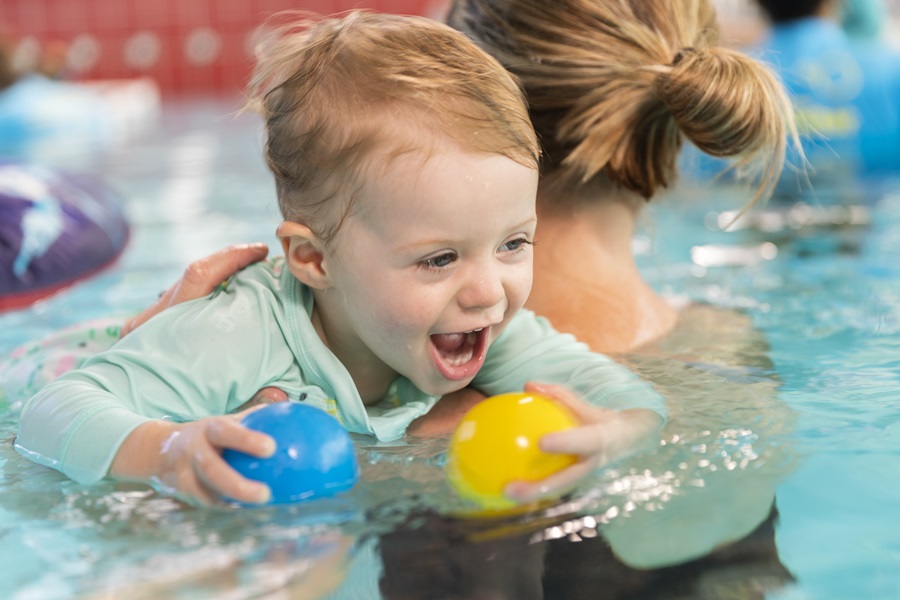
333 90
614 87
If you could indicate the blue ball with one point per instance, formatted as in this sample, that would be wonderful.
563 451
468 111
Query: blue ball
313 458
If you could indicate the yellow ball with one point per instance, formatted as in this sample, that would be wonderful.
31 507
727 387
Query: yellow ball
497 442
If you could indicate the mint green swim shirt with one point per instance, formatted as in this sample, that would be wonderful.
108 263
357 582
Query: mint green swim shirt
209 356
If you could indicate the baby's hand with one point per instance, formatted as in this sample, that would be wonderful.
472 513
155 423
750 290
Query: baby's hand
186 458
192 462
602 436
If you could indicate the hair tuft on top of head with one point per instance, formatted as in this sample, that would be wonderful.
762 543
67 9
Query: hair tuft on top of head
334 90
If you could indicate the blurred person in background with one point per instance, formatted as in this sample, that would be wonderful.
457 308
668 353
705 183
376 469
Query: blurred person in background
51 61
846 93
864 20
7 72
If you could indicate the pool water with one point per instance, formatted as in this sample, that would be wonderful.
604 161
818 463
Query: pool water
829 304
774 478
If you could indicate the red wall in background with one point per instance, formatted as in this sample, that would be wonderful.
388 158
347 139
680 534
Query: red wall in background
187 46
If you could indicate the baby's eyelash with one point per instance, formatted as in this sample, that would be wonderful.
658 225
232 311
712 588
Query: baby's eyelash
429 263
521 242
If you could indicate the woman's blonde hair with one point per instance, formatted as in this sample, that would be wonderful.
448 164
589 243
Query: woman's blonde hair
332 90
613 85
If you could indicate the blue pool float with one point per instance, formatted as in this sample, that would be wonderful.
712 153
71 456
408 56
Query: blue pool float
55 229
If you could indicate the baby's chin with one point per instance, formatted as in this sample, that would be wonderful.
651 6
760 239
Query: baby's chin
443 388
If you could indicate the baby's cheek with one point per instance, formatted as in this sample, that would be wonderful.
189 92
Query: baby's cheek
520 288
394 318
403 307
408 319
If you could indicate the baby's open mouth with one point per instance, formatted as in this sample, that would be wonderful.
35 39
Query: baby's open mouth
459 355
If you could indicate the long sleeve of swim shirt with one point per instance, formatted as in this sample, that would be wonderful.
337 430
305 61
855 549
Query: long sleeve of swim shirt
197 359
531 350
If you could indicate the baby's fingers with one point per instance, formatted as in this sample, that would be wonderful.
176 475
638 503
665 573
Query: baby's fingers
552 486
583 441
229 433
584 412
218 476
551 390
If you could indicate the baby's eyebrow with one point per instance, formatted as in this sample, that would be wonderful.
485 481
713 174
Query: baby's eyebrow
428 243
421 245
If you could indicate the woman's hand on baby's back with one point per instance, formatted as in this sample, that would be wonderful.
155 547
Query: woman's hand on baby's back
602 436
186 458
201 278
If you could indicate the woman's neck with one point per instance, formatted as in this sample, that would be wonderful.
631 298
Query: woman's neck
586 280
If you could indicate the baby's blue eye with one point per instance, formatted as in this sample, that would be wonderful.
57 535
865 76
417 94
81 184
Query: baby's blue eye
514 245
442 260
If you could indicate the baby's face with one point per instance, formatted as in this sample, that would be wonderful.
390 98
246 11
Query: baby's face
433 262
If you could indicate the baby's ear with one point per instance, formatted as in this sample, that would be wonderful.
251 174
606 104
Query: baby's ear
304 253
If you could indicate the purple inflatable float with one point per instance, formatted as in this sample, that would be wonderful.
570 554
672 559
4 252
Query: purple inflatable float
55 229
